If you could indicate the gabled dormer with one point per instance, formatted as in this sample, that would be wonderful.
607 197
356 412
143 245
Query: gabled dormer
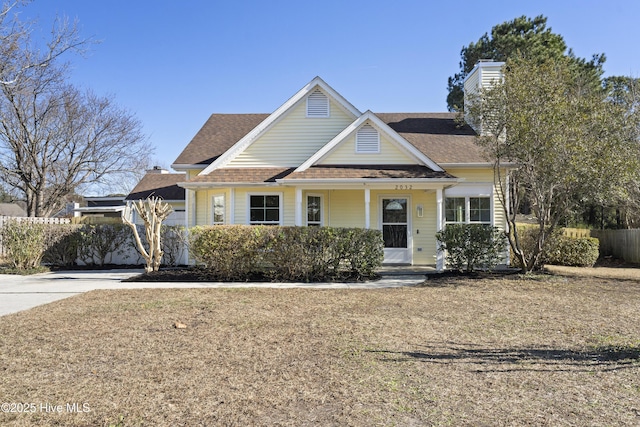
292 133
368 141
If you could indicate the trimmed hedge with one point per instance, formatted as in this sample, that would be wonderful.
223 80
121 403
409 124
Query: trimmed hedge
24 244
242 252
560 249
471 246
580 252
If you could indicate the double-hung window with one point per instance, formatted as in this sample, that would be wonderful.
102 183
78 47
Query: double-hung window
469 209
265 209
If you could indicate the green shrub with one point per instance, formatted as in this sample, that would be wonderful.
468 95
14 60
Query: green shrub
63 242
174 243
560 249
287 253
471 246
231 252
24 244
576 252
98 243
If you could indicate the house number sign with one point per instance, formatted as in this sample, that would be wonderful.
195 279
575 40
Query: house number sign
404 187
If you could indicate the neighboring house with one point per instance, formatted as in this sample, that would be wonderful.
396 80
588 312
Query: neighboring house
103 207
318 160
160 183
12 210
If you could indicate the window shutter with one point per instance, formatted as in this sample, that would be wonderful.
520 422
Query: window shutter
367 140
317 104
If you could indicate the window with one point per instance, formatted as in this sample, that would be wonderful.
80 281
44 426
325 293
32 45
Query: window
217 209
479 209
467 210
367 140
314 211
264 209
454 209
317 104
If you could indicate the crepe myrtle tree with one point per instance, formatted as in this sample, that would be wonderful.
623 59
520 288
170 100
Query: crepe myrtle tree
560 137
152 212
56 138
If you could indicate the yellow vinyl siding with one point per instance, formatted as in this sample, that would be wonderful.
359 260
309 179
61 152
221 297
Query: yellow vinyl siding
192 173
347 208
345 154
424 229
293 139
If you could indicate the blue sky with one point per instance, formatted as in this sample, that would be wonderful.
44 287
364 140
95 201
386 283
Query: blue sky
174 63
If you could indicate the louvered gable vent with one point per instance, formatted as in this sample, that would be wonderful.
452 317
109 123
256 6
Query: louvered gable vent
317 104
367 140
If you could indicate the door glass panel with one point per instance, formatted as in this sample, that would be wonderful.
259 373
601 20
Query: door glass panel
394 223
394 210
395 236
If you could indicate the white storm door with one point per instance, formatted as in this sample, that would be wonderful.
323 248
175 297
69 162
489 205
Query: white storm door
396 230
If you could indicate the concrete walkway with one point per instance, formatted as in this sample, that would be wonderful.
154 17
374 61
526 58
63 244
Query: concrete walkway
19 293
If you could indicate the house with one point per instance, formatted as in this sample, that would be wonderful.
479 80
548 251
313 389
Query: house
12 210
318 160
160 183
100 206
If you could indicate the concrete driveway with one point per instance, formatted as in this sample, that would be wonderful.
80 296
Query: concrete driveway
19 293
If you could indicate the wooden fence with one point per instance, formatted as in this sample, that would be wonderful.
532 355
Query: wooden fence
622 244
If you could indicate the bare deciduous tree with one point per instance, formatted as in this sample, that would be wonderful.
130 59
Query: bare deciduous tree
56 138
152 212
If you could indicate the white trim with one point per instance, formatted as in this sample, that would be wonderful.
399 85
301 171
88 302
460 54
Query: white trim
280 195
322 207
298 207
232 206
477 189
381 126
409 249
276 116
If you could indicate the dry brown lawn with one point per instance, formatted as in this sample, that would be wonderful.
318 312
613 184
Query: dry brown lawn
551 351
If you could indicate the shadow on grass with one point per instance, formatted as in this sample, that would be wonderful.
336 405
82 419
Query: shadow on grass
604 358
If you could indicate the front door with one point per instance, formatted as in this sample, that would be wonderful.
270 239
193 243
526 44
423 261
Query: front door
396 230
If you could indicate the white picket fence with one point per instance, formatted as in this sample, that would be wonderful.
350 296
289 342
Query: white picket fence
127 255
31 220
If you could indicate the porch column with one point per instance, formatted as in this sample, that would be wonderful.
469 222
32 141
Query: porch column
298 216
439 222
232 205
190 208
367 208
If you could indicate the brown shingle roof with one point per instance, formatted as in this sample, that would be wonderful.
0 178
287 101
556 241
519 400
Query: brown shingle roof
216 136
437 135
163 185
367 171
244 175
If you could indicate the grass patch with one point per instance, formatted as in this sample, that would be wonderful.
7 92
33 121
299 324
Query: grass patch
24 271
483 351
